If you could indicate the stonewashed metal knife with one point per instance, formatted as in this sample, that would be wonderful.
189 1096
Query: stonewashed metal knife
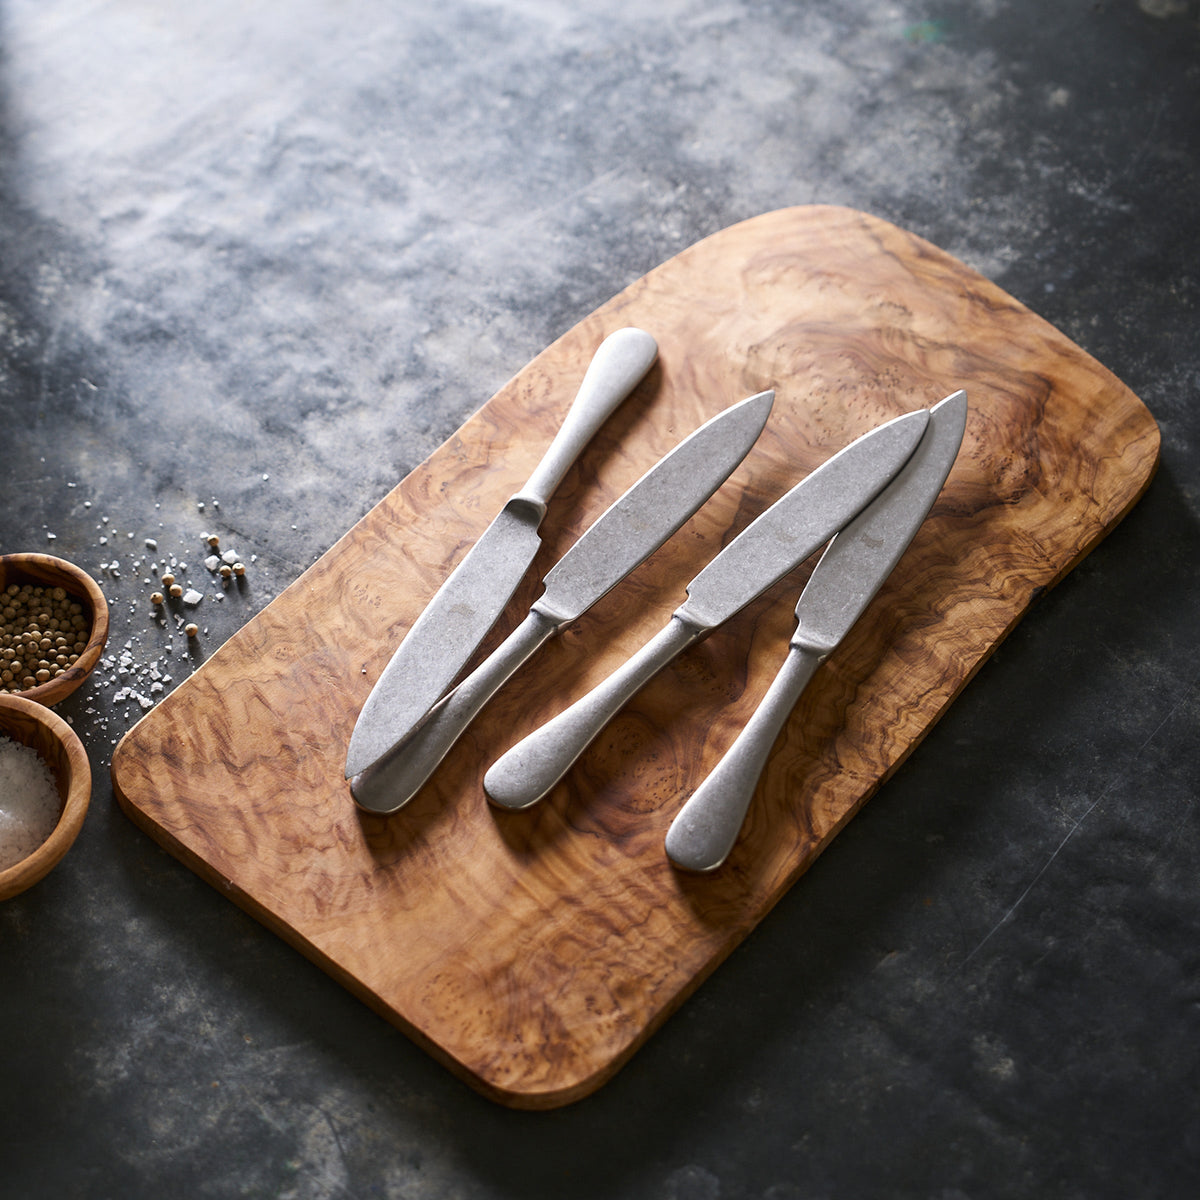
844 581
621 538
467 605
772 545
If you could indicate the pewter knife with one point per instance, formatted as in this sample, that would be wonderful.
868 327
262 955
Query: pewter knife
766 550
621 538
467 605
843 583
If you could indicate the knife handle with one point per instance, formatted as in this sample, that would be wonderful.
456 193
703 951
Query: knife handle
396 779
524 774
618 366
707 826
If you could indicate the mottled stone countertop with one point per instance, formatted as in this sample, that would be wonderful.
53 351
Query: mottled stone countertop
257 260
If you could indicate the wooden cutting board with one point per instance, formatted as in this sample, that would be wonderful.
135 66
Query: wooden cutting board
534 952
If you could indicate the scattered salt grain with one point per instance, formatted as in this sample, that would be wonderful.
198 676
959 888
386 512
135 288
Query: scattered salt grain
29 802
192 597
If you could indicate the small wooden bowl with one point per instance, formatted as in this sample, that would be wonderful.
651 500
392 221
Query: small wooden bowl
46 571
33 724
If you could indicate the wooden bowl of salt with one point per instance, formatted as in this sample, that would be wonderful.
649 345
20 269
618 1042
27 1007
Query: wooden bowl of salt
45 789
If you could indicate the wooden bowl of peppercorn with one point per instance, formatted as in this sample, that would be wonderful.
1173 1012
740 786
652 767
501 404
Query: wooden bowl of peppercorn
28 727
53 626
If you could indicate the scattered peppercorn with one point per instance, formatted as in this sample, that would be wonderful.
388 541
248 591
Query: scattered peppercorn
191 630
168 579
43 631
156 598
176 590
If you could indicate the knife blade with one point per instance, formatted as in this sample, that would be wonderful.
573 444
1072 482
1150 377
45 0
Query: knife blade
620 539
471 599
843 583
773 544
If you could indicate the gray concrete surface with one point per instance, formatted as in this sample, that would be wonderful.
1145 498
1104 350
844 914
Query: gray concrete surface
239 242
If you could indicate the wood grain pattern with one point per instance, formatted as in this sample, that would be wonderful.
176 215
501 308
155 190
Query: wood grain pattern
534 952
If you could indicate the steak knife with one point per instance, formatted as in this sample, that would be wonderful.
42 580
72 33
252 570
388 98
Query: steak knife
772 545
844 581
468 603
621 538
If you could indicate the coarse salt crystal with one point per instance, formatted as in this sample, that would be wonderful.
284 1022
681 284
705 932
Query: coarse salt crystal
29 802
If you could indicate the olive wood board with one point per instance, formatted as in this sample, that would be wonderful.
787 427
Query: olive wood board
534 952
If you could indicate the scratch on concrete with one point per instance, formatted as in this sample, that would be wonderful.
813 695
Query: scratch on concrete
1004 920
